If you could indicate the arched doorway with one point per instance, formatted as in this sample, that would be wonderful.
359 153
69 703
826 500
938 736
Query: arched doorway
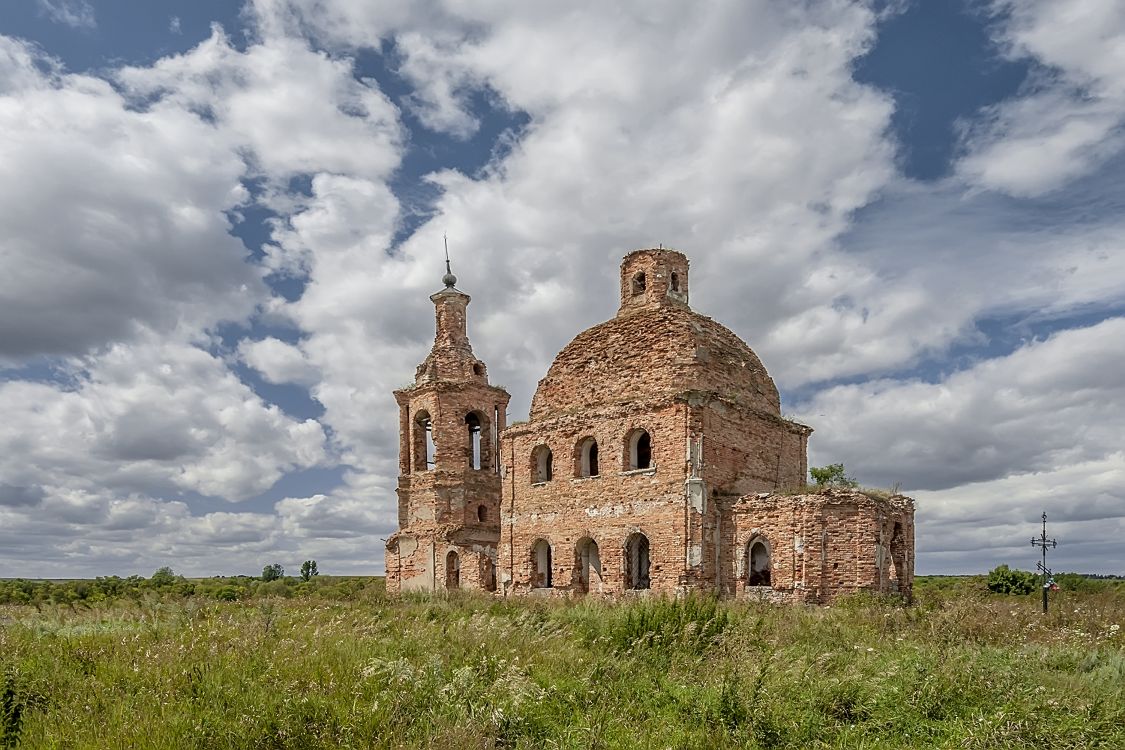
637 562
587 566
758 562
452 570
541 565
488 573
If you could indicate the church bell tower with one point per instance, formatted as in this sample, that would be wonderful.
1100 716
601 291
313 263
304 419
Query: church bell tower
449 463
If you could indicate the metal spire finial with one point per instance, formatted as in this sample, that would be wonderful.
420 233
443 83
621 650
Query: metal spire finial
449 279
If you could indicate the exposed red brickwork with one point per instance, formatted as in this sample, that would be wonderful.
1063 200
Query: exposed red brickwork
691 486
446 505
822 545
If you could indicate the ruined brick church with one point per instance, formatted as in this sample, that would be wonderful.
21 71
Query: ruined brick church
655 459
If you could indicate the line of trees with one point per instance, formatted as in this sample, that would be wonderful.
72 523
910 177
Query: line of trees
166 582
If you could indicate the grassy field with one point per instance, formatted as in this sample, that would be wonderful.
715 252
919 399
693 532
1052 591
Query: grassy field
961 668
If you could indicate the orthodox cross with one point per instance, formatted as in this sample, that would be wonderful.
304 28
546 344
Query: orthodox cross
1043 542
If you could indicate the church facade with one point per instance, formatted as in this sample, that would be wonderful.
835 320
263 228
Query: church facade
655 459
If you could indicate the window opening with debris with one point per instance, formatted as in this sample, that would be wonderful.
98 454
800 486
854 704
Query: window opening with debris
637 562
758 564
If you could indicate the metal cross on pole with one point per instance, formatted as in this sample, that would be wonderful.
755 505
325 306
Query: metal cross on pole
1044 542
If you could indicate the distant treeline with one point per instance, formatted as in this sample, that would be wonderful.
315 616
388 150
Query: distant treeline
1005 580
165 583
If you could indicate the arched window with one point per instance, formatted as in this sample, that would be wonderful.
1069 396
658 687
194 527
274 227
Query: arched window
674 282
541 464
423 442
636 562
541 565
472 422
478 368
639 447
587 565
639 284
452 570
758 562
482 513
586 460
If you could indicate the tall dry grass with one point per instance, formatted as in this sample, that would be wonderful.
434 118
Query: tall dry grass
958 669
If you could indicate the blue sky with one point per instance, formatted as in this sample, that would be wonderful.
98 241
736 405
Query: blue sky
222 223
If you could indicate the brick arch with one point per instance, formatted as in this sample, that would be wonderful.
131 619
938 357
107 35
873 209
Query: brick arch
422 440
542 564
542 463
635 451
478 446
587 457
452 569
587 573
636 560
758 561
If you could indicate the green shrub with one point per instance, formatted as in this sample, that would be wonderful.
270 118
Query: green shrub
832 475
274 588
1004 580
229 593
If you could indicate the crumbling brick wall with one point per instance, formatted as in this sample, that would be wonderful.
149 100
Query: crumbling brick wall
607 508
713 416
712 509
450 422
823 544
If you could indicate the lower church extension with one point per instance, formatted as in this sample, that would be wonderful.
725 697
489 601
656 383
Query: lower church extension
655 459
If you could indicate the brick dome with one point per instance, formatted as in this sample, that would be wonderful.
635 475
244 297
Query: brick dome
653 352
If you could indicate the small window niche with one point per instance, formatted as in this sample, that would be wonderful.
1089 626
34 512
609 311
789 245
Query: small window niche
638 451
542 465
639 284
587 458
